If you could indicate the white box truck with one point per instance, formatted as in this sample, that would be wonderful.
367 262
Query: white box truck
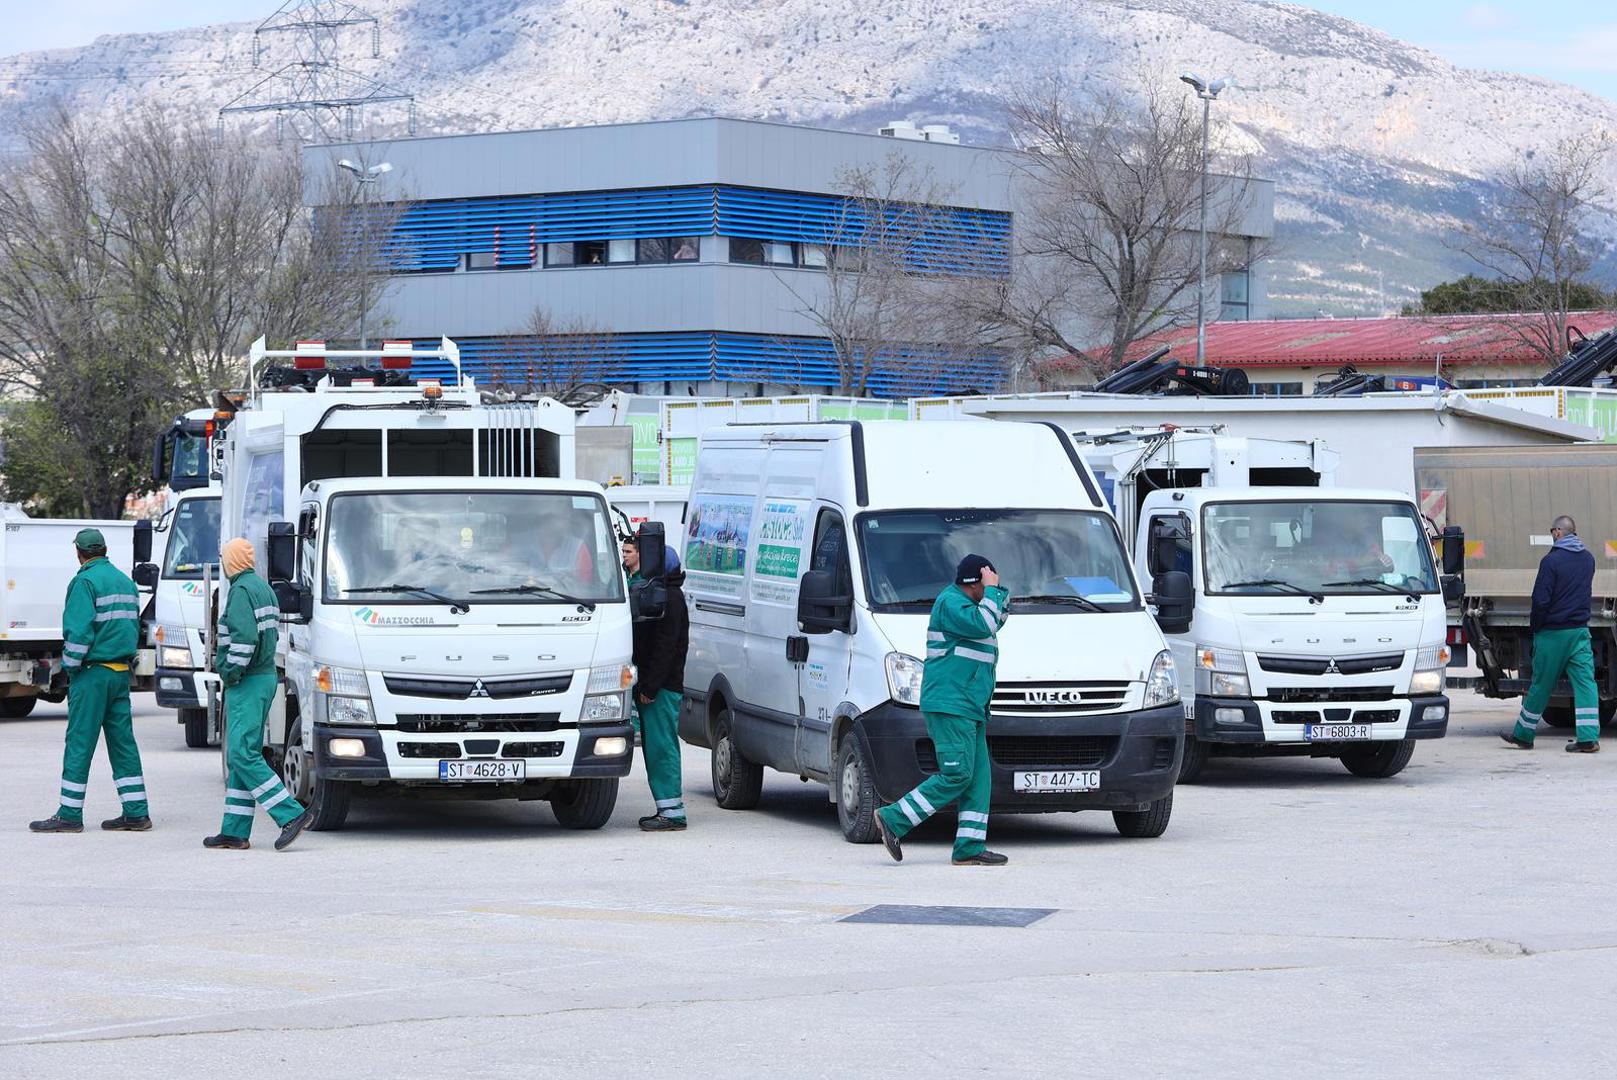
456 622
813 555
182 580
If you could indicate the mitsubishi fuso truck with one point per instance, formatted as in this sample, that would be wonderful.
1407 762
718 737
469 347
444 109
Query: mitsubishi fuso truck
187 538
813 554
455 621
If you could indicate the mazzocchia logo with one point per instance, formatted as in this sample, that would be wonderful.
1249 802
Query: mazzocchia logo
367 615
192 588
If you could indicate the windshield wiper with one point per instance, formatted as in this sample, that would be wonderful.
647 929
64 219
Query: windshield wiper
1276 583
1374 583
456 607
1061 598
546 590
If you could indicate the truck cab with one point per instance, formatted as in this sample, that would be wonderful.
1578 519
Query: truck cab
1318 623
182 583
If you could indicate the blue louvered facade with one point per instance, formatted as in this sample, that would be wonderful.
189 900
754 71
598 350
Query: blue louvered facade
708 357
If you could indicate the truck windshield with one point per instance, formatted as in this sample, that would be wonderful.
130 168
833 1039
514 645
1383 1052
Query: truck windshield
1317 547
1054 560
479 547
194 539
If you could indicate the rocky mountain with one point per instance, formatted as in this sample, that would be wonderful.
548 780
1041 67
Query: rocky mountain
1378 147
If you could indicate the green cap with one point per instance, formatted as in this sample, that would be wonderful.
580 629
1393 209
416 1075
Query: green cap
88 539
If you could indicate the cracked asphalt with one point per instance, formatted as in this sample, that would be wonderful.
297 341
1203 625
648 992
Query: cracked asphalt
1295 921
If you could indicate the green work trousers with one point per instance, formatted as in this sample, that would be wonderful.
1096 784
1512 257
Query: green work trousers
249 777
964 777
98 700
659 742
1558 652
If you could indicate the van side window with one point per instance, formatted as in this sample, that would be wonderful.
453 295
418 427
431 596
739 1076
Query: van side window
831 550
1179 528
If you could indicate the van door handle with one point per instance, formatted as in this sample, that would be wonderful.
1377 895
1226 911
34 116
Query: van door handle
797 650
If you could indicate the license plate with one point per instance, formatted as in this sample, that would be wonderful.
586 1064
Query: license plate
489 770
1061 780
1335 732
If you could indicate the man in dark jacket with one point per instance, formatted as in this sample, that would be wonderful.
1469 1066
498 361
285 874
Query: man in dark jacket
1560 623
659 657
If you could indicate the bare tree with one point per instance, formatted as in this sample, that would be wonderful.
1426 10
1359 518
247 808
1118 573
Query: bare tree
573 361
1110 190
1536 243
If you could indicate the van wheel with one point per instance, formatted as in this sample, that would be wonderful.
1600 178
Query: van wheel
585 804
1378 762
737 782
15 708
1197 751
196 727
1558 716
856 791
327 800
1145 824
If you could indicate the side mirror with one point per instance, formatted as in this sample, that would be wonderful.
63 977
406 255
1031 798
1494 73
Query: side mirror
1453 588
820 608
1454 550
283 540
160 460
143 541
294 598
653 550
1163 551
146 575
1175 599
648 600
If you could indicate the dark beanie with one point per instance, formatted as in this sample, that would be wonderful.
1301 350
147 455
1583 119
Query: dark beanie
970 570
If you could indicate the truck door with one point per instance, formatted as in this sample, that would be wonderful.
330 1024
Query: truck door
1175 524
822 676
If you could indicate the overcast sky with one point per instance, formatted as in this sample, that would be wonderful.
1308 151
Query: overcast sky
1574 41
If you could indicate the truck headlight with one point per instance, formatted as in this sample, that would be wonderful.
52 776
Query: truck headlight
176 656
612 677
604 707
1221 673
1431 668
904 678
1162 686
344 697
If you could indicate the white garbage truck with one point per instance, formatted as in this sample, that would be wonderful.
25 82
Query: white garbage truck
1318 624
455 621
187 544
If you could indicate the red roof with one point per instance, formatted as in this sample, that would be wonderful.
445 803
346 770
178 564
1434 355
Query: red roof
1409 341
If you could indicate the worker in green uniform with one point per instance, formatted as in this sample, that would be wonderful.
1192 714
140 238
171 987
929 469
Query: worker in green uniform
1559 618
659 659
957 684
100 632
245 660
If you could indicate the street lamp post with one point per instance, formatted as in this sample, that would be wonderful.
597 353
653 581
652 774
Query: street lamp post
1207 91
364 176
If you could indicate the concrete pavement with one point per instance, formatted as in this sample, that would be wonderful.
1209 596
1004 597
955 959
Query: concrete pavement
1295 920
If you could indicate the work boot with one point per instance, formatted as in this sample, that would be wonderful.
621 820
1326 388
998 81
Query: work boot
291 830
983 858
226 843
55 824
1515 743
658 823
888 840
1575 747
125 823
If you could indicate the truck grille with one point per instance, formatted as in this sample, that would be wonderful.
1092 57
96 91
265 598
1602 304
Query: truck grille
1331 665
1017 751
531 749
1324 695
429 750
463 689
1336 716
455 724
1058 698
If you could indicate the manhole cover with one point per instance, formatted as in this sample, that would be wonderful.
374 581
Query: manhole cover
919 915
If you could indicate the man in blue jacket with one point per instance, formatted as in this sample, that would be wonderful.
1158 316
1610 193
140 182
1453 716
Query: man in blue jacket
1560 623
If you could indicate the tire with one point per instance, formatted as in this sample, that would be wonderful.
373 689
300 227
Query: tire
856 791
196 727
1379 762
328 799
1558 716
585 804
1608 713
1145 824
737 782
1197 751
15 708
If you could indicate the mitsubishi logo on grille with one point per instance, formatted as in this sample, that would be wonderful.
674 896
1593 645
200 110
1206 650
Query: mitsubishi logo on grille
1330 667
1055 697
478 690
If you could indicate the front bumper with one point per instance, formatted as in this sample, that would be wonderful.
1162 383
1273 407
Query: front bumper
177 688
1137 754
412 758
1267 723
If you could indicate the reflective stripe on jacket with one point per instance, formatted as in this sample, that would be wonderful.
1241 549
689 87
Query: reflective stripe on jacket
101 617
962 652
249 629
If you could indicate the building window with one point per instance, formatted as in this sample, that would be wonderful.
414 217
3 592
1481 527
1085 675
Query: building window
780 253
653 250
558 254
1234 290
620 251
746 250
480 260
686 248
814 256
589 253
1277 389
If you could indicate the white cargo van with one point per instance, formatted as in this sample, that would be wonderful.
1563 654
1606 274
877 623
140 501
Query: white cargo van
813 555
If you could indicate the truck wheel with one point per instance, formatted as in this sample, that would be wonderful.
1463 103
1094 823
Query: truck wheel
328 799
15 708
1386 759
1145 824
856 790
1197 751
584 804
1608 713
1558 716
196 727
737 782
